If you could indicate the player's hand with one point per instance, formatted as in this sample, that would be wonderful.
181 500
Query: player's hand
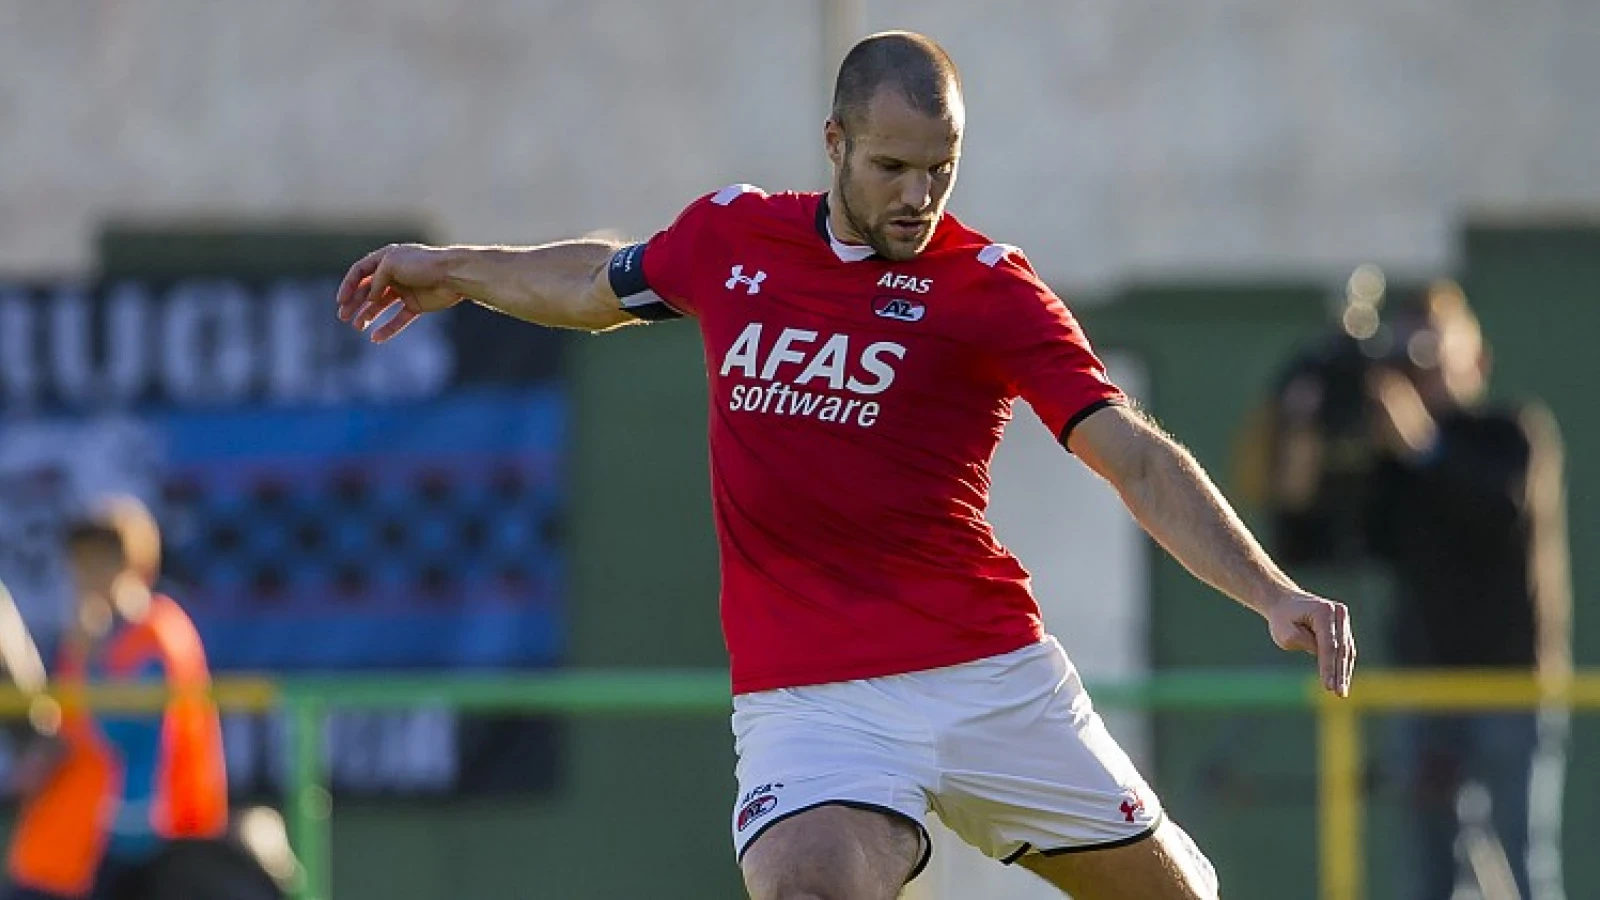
412 276
1320 627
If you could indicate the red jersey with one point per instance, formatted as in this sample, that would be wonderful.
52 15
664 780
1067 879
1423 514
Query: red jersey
855 406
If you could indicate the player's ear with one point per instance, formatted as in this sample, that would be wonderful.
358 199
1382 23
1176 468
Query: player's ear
833 138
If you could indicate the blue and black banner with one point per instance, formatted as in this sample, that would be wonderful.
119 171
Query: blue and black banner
328 505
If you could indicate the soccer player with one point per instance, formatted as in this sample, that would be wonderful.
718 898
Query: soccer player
864 349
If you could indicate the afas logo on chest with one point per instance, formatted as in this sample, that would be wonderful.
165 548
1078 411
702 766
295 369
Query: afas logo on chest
905 283
797 357
802 366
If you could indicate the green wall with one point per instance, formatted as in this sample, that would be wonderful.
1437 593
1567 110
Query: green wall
1538 289
1240 784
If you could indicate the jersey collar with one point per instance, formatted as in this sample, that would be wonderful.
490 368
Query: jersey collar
845 252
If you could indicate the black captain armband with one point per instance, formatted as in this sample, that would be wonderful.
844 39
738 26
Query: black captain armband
626 273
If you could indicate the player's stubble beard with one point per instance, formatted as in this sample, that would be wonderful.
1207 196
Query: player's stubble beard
874 234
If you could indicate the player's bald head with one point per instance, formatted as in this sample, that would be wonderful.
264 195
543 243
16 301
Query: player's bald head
913 66
894 139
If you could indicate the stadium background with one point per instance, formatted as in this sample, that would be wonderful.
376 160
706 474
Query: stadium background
1197 177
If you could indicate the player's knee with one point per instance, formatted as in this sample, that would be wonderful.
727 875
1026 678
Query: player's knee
814 883
1206 878
801 890
1202 875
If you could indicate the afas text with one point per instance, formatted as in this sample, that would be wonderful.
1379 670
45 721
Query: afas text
802 369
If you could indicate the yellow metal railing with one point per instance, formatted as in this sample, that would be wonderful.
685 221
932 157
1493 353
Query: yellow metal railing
1341 861
306 701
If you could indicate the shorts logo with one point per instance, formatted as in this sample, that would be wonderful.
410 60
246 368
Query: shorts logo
899 308
1131 806
758 803
755 809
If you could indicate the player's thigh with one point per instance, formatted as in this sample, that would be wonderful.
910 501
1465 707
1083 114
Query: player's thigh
833 851
1164 866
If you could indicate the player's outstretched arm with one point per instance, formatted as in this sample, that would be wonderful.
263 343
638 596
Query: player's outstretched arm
562 285
1174 500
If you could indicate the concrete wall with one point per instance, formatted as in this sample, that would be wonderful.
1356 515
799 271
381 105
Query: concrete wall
1111 139
499 120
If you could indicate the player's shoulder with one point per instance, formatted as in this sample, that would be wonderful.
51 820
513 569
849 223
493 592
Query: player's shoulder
965 249
982 262
744 203
726 196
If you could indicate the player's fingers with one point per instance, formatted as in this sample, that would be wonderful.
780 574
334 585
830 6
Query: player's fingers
394 326
375 290
370 304
361 302
363 269
375 308
1327 651
350 303
1346 640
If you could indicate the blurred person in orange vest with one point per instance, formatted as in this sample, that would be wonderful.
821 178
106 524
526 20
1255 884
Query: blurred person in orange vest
104 792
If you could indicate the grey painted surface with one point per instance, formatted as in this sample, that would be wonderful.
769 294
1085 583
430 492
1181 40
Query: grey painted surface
1112 140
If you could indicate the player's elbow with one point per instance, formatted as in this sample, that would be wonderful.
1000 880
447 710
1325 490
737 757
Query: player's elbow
1146 456
1116 443
595 306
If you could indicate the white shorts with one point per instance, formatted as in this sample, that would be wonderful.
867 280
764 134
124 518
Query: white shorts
1007 750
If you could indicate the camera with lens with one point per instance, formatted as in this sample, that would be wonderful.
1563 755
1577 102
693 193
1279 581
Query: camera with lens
1322 400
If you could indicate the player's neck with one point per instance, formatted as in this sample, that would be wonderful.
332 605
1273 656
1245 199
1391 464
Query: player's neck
839 228
843 248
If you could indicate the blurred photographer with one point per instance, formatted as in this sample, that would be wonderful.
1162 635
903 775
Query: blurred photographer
1464 505
1322 453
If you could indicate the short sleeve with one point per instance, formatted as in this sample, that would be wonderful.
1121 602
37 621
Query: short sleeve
653 279
1044 356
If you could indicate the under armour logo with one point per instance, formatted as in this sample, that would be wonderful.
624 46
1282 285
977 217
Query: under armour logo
752 283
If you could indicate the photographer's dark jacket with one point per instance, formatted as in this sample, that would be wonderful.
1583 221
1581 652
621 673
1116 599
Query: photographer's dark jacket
1474 532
